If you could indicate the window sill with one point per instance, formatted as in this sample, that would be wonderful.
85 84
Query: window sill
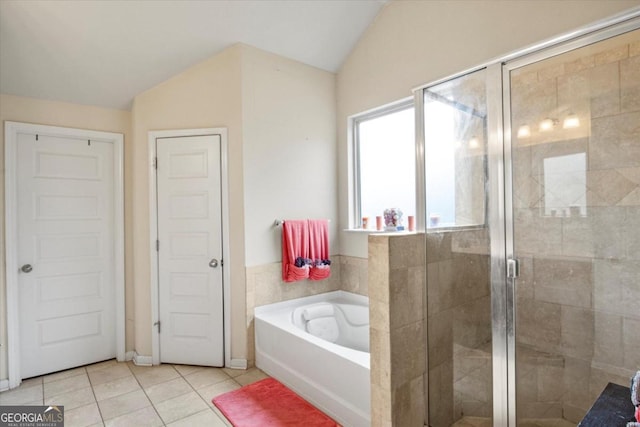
368 231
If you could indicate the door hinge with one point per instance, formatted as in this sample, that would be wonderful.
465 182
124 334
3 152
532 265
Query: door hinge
157 324
157 245
155 163
221 262
513 268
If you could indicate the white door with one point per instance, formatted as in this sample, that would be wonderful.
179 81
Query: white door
190 250
65 223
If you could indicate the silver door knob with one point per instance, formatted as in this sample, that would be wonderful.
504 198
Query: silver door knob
26 268
213 263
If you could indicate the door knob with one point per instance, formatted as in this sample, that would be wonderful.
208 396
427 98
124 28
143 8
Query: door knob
26 268
213 263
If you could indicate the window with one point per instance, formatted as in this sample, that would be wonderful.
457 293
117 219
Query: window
384 164
455 135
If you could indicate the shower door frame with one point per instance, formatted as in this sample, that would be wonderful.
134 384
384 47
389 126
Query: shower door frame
593 34
504 267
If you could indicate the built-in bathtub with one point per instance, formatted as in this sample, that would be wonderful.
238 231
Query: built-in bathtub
333 377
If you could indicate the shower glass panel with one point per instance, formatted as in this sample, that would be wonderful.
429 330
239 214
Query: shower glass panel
575 147
458 252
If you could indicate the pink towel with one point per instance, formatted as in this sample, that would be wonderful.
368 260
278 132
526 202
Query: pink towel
319 249
295 243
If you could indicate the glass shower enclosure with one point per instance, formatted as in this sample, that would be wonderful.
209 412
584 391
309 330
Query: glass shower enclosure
532 213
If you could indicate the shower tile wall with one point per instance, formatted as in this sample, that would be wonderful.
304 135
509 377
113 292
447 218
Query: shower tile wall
459 326
265 286
578 320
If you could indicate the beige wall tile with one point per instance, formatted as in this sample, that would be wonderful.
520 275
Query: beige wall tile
438 246
612 55
380 406
631 341
440 338
577 332
539 325
551 72
441 395
472 323
577 375
440 286
407 353
634 48
630 84
580 64
378 268
563 281
607 338
614 141
380 355
616 286
408 404
405 294
604 90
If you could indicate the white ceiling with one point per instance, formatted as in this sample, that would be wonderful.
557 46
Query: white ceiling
100 52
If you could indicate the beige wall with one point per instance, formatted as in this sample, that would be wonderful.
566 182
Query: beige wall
290 149
30 110
415 42
206 95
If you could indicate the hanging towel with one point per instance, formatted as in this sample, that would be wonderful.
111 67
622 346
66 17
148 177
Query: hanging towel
295 246
319 249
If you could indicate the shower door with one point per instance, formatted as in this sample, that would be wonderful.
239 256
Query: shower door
573 136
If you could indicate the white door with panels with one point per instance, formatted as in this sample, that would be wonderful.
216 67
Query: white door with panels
190 278
66 282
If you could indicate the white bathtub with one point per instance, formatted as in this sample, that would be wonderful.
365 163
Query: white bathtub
333 377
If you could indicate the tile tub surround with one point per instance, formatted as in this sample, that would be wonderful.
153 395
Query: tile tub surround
265 286
397 274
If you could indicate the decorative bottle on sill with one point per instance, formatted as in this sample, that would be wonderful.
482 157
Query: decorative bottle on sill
392 219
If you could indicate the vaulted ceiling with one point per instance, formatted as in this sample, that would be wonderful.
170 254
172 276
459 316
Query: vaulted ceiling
103 53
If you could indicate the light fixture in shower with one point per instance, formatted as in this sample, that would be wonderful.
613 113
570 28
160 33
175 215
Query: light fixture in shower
571 121
524 131
547 125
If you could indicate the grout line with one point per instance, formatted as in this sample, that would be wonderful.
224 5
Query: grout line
95 398
145 393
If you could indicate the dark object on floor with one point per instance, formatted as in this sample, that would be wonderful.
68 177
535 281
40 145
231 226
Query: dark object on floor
612 409
268 403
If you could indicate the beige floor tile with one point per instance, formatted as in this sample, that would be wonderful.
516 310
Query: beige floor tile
101 365
145 417
83 416
66 385
202 419
180 407
156 375
168 390
123 404
189 369
215 390
115 388
64 374
109 373
234 372
206 377
251 376
72 399
31 382
221 416
21 396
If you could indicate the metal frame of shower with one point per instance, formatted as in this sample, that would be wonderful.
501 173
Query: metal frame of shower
500 191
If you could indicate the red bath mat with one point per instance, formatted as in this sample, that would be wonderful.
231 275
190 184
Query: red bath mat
268 403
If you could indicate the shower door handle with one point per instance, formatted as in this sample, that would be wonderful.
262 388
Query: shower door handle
513 268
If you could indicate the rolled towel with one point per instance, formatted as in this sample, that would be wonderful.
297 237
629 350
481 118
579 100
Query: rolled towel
318 310
633 424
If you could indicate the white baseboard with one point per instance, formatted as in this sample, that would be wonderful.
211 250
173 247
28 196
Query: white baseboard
142 360
238 364
129 355
4 385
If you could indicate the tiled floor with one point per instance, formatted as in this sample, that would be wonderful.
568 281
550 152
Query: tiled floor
123 394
